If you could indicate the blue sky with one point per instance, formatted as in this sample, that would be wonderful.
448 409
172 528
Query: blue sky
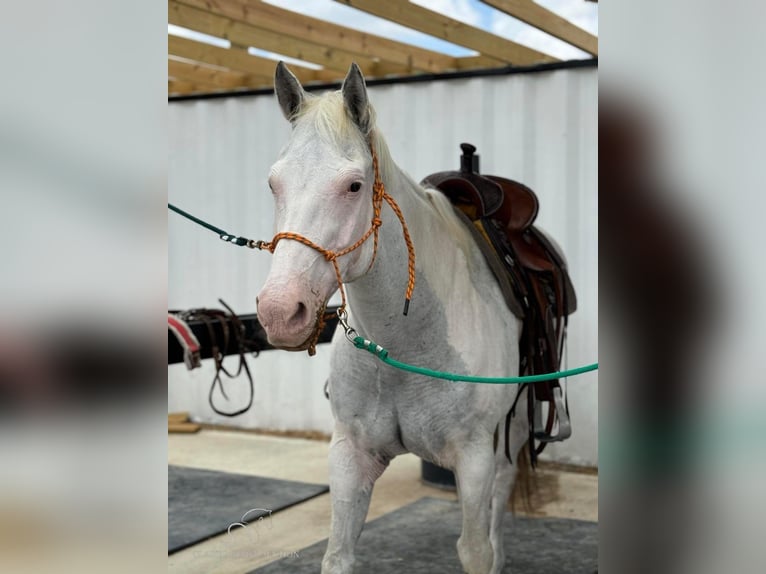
474 12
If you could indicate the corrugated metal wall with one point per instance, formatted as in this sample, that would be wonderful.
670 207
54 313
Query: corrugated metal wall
538 128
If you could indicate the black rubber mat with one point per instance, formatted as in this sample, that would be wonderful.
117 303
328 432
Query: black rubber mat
204 503
420 539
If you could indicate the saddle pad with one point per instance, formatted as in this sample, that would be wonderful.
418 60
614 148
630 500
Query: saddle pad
203 503
495 264
420 539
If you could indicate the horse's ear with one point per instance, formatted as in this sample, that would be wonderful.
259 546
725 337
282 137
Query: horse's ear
355 98
289 91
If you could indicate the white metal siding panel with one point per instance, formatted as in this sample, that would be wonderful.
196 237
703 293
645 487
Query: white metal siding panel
539 128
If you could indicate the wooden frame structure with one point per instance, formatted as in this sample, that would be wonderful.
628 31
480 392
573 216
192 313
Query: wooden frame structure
199 67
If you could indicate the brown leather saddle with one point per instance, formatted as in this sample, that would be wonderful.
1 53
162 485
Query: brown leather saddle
532 273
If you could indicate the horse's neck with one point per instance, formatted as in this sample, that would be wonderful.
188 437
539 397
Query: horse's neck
377 299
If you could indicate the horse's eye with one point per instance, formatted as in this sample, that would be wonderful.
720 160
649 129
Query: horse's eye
356 186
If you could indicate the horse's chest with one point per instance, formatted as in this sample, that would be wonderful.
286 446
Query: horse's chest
384 409
433 418
420 415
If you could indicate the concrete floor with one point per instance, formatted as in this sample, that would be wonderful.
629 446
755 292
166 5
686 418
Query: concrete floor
562 493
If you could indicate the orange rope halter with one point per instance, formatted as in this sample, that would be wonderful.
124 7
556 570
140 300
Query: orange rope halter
378 195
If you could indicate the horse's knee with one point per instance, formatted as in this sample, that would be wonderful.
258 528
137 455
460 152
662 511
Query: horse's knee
352 462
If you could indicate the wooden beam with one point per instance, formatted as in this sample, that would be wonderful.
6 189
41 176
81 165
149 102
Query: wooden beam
246 35
239 60
180 87
236 60
435 24
478 63
547 21
183 427
289 23
205 75
180 417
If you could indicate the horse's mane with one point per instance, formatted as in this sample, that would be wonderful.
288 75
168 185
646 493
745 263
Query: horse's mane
334 126
431 200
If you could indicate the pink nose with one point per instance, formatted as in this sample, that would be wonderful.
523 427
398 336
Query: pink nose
287 318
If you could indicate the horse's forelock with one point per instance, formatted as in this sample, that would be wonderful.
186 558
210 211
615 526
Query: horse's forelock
328 116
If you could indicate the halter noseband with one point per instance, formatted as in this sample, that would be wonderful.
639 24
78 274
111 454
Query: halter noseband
378 195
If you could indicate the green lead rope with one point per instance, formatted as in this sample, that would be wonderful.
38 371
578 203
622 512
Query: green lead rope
382 354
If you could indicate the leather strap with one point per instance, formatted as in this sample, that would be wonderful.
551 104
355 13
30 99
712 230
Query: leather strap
237 334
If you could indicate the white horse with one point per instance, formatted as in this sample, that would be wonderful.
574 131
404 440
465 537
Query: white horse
458 321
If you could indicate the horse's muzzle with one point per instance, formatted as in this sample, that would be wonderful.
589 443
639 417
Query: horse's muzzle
290 322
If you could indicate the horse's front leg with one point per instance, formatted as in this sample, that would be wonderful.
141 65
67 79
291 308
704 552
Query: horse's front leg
353 472
475 473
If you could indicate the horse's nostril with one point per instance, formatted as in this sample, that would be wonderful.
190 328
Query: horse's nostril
300 316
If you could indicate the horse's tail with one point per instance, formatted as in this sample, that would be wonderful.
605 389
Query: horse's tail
525 487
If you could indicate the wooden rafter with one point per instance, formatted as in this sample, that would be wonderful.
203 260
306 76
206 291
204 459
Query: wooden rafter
435 24
477 62
239 60
200 74
547 21
181 87
242 34
333 36
197 66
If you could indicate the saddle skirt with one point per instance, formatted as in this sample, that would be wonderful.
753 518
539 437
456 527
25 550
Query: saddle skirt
531 271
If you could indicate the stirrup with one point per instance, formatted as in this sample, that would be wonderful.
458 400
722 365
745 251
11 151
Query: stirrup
565 425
